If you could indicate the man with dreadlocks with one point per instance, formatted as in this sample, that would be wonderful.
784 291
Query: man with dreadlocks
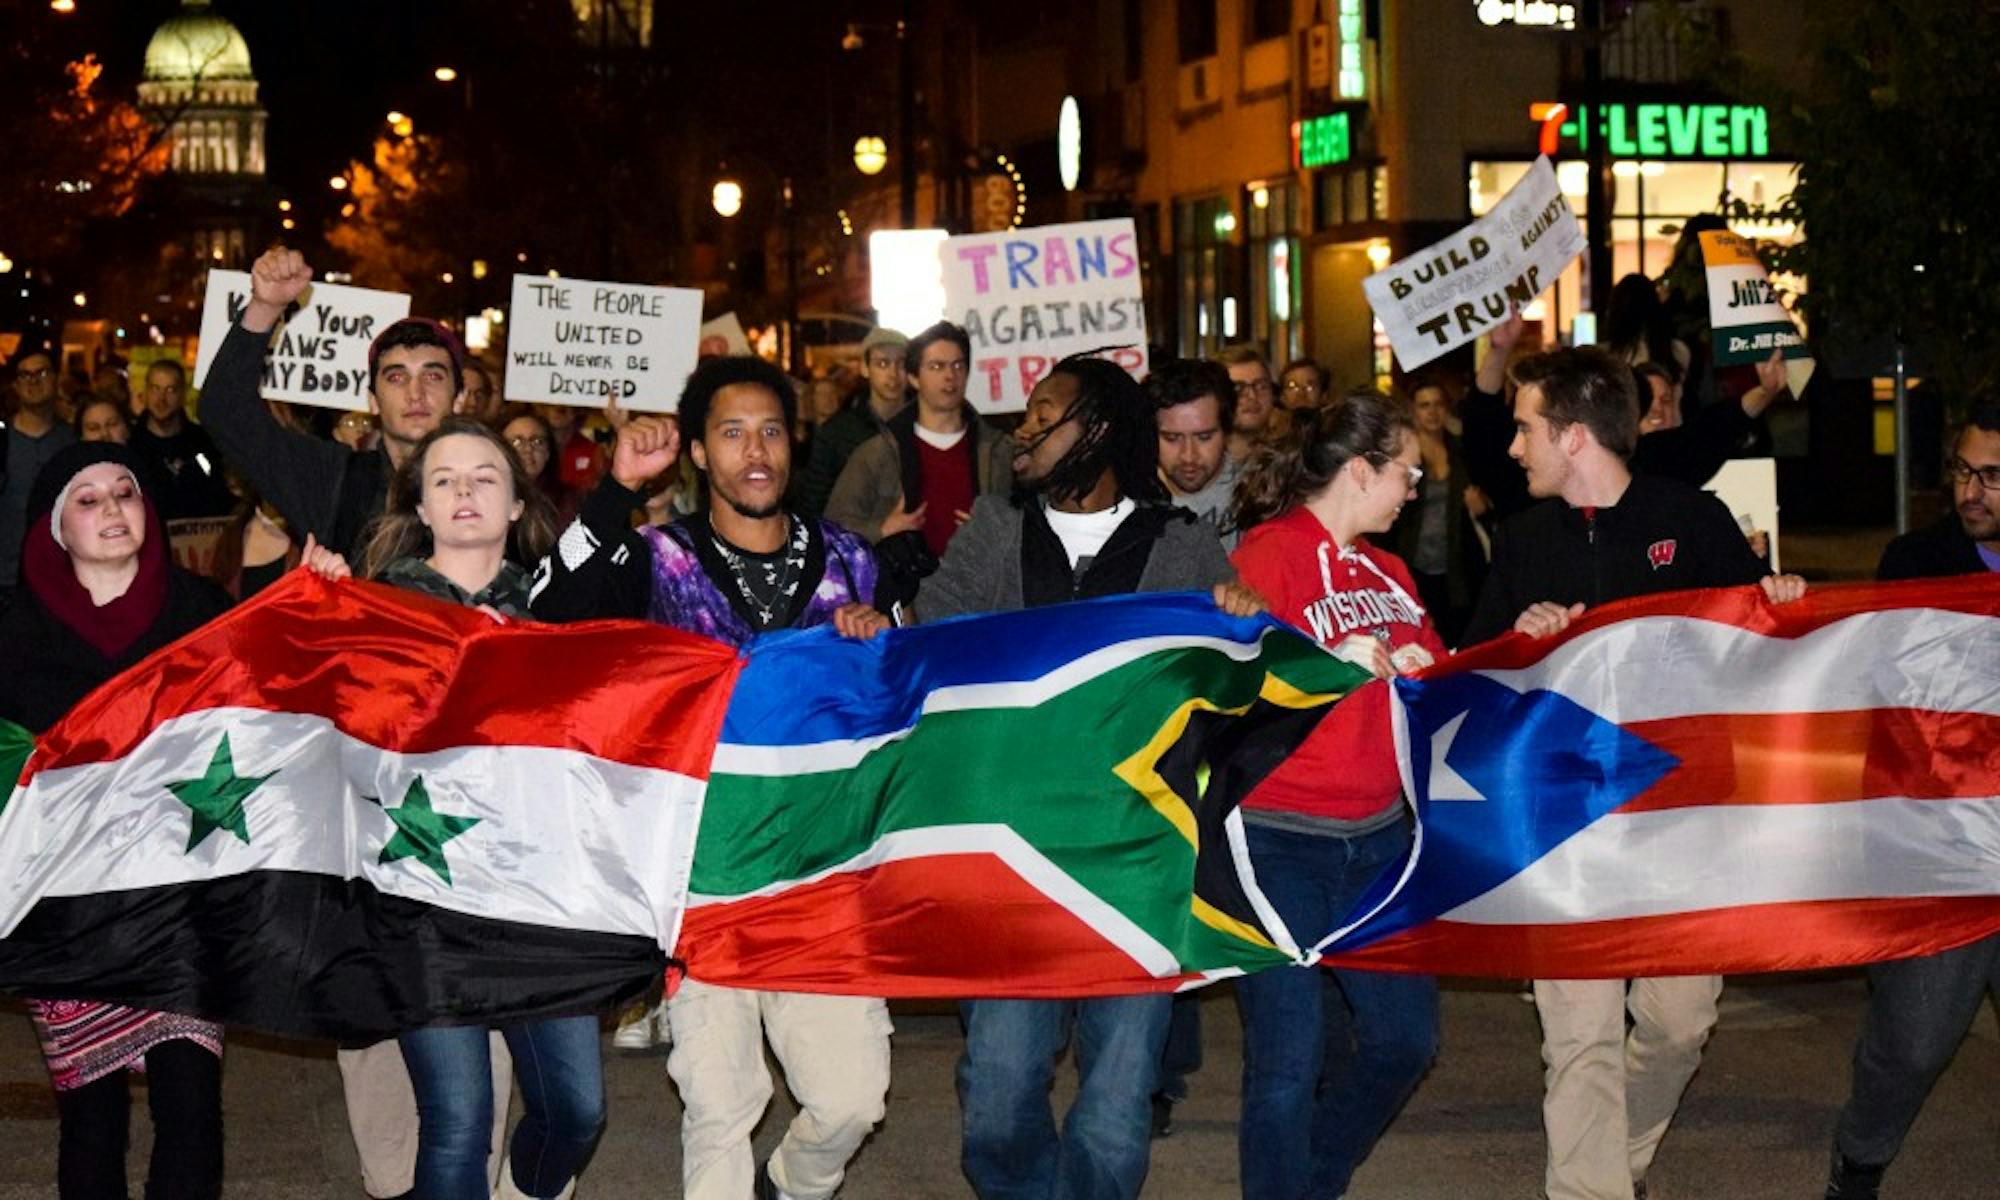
1088 517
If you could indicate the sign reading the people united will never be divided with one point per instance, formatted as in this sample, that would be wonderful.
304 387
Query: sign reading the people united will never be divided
585 342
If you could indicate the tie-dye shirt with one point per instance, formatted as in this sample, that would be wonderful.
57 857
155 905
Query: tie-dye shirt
685 597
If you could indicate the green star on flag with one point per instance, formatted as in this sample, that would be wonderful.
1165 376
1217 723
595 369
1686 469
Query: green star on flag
215 801
422 831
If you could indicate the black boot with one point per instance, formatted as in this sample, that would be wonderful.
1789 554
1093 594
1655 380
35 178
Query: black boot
1850 1180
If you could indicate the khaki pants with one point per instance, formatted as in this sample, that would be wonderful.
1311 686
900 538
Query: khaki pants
835 1052
1609 1095
382 1113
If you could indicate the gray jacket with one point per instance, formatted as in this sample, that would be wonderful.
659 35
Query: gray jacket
880 476
982 568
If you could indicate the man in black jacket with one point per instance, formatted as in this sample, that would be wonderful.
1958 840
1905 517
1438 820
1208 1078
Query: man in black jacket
1919 1009
415 377
1601 533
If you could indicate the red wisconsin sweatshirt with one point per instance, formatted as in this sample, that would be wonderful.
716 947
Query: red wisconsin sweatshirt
1349 773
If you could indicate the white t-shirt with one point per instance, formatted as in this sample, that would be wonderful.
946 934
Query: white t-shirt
1084 534
940 441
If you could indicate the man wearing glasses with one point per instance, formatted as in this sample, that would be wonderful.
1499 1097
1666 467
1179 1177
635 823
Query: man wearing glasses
1919 1009
884 392
1256 396
33 436
923 472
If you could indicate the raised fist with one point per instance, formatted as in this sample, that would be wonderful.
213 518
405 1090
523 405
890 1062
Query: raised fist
277 278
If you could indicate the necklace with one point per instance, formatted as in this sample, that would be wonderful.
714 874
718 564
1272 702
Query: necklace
778 575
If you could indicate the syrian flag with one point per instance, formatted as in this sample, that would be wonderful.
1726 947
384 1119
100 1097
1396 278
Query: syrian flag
345 811
1703 783
1037 803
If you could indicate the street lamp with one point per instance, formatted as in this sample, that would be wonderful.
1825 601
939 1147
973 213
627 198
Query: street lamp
63 6
871 154
727 197
338 183
400 124
445 74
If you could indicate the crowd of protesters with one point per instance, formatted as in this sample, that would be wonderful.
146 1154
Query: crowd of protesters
1389 528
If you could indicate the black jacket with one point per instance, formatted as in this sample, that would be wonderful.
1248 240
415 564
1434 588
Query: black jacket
46 667
1661 536
322 487
1941 549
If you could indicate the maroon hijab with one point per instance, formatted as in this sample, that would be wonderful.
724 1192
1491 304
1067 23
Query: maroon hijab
48 572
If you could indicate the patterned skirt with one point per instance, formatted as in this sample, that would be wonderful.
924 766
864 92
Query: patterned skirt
85 1040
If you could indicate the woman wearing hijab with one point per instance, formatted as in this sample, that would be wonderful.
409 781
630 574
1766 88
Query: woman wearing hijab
98 593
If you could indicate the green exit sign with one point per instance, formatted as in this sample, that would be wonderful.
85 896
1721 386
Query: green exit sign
1697 131
1323 141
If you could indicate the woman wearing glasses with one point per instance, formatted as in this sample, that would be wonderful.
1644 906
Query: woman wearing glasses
1330 1056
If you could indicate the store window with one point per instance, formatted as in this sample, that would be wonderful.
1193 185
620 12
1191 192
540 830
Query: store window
1276 292
1208 266
1651 201
1350 195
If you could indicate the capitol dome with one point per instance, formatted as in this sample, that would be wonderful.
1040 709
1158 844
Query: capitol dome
197 44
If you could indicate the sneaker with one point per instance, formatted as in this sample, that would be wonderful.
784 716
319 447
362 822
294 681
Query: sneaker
635 1033
1852 1181
1163 1115
663 1029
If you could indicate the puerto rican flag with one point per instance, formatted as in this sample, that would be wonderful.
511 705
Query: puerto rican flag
1703 782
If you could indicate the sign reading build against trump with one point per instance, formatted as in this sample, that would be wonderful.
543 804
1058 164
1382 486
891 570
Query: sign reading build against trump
319 348
1028 298
1447 294
583 342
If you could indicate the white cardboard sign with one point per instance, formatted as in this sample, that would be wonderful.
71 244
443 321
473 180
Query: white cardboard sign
1449 293
319 350
583 342
1029 298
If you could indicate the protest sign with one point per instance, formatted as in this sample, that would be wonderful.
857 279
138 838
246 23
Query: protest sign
724 335
195 540
319 349
1747 321
584 342
1449 293
1749 487
1030 297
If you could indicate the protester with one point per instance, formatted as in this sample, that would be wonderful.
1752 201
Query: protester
908 489
1088 517
100 419
255 549
480 399
1194 403
739 567
1325 1069
100 592
579 459
1638 329
1691 453
1920 1009
1438 536
885 391
34 436
1603 532
357 432
533 442
462 517
1256 397
324 489
184 461
1302 384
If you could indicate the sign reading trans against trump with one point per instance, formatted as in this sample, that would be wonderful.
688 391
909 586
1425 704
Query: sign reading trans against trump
319 349
1029 298
1447 294
583 342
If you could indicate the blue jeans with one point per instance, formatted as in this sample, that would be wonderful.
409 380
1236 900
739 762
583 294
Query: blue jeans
1328 1056
562 1084
1010 1149
1182 1056
1919 1010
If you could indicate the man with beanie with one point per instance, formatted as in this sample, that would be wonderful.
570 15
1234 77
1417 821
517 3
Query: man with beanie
867 413
415 375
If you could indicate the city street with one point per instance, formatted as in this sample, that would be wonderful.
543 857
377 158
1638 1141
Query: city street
1754 1125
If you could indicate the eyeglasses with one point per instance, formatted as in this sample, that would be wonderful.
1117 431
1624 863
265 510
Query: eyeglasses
1412 475
35 376
1255 387
534 442
1298 387
1989 476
